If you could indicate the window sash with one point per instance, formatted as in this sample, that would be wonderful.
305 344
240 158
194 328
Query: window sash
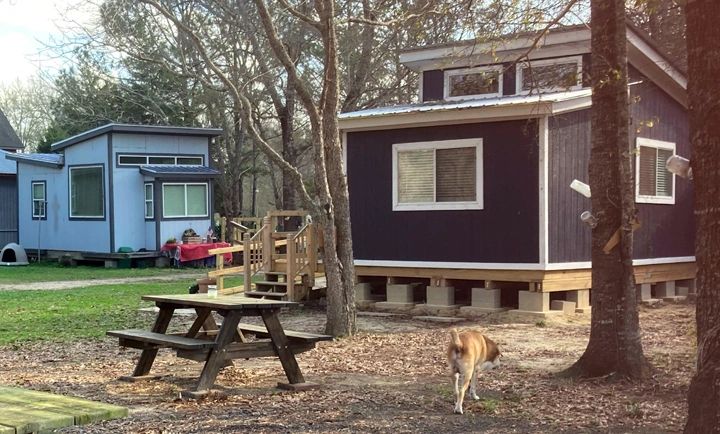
185 200
654 183
143 159
482 82
537 75
149 201
87 192
38 199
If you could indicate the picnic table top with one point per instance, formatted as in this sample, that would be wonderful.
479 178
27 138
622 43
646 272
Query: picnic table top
228 302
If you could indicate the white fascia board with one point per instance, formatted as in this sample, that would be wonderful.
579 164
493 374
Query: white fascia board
432 58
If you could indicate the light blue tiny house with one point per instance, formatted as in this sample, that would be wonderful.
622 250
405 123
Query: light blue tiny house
116 186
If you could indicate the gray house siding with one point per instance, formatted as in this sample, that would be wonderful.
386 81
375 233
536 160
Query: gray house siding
9 210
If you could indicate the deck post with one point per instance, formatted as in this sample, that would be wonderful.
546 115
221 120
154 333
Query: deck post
268 244
312 255
223 229
290 277
247 272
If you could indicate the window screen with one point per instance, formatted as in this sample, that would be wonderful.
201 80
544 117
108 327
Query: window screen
556 76
474 83
654 181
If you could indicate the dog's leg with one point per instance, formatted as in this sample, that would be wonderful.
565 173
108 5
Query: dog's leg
463 391
458 401
473 384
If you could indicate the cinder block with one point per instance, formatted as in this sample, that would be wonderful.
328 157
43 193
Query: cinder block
400 293
533 301
567 307
665 289
363 292
645 291
687 283
111 263
682 291
581 298
487 298
440 295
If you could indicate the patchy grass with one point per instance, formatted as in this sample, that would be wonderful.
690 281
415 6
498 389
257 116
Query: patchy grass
66 315
52 271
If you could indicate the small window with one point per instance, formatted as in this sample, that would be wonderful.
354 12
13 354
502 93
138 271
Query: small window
87 196
185 200
149 203
133 160
437 175
550 75
654 183
39 200
191 161
161 160
139 160
473 82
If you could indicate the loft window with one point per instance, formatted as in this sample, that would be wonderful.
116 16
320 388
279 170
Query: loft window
185 200
549 75
481 82
140 160
87 196
654 183
39 200
440 175
149 202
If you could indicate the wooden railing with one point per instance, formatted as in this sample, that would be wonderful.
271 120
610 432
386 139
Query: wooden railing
301 258
232 229
255 258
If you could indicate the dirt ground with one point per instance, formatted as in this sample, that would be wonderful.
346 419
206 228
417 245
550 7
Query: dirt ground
392 378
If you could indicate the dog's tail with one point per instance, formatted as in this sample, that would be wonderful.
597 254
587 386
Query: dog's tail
455 340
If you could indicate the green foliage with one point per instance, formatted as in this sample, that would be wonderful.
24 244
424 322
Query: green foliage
541 323
68 315
52 271
489 405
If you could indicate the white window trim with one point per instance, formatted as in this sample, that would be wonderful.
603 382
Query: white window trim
452 72
442 144
70 186
658 144
544 62
151 200
147 159
43 200
186 215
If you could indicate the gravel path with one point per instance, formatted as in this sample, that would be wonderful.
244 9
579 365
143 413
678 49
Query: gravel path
69 284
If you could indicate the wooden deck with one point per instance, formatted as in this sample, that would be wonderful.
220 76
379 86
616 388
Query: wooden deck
28 411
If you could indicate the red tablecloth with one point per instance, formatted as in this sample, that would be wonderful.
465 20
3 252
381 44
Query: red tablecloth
191 252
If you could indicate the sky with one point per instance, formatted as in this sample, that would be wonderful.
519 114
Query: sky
25 25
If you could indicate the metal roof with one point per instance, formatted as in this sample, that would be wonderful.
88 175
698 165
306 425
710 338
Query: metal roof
442 105
137 129
51 160
8 137
7 167
178 171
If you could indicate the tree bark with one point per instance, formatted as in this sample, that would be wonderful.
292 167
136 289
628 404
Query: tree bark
614 346
704 112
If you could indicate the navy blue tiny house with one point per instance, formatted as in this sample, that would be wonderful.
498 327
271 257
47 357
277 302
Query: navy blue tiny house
472 183
116 186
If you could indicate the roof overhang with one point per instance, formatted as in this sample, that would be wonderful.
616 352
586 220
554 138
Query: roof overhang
56 162
179 172
136 129
496 109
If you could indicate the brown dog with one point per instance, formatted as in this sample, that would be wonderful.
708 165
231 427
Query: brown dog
468 353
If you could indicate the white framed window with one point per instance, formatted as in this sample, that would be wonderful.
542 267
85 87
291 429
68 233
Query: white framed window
39 200
149 201
87 192
441 175
653 182
481 82
143 159
185 199
549 75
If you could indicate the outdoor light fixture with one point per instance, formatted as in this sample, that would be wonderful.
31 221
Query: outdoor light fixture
580 187
589 219
679 166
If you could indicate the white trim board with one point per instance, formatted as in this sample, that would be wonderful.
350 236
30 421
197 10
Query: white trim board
509 266
543 190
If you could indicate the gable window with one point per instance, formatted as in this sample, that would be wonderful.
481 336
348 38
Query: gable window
39 200
141 160
561 74
484 82
185 200
149 202
87 196
437 175
653 182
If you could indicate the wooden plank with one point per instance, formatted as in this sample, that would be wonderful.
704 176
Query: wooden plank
461 274
235 301
233 289
147 357
172 341
216 358
262 332
223 250
28 420
226 271
287 213
6 429
280 342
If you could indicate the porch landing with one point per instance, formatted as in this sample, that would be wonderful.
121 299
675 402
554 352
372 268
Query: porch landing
29 411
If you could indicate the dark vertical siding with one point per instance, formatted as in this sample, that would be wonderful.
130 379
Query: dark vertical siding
8 210
509 79
568 156
506 230
667 230
432 85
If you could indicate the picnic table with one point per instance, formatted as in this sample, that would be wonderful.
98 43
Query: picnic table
215 345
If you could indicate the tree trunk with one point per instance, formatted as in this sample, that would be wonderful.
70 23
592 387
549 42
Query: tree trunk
614 346
704 93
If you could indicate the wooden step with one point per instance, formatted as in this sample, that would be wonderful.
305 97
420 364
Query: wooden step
268 283
160 339
265 294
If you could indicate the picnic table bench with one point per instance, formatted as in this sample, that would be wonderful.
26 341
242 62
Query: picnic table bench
217 345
